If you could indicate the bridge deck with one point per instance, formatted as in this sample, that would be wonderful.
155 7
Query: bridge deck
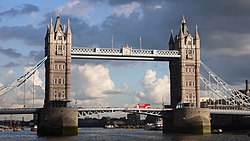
125 53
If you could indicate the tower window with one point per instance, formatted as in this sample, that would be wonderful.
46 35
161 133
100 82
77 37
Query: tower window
59 50
59 81
59 47
190 83
189 54
55 94
59 37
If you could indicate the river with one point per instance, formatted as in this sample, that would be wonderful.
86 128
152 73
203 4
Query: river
100 134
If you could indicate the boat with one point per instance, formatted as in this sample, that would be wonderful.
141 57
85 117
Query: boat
34 128
1 129
17 129
217 131
109 126
153 126
158 125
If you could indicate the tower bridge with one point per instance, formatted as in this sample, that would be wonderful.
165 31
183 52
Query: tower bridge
57 117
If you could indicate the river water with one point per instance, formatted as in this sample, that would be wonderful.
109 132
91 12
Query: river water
100 134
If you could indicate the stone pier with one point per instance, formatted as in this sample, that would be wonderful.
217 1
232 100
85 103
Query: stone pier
188 120
58 121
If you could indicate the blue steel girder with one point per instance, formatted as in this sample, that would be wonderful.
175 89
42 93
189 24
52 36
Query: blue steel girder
84 112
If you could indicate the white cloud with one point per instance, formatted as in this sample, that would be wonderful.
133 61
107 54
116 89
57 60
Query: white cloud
91 85
15 97
157 7
95 12
117 91
155 91
127 9
149 78
76 8
91 81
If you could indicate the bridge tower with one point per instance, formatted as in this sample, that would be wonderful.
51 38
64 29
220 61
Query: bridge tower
57 118
185 72
185 86
58 43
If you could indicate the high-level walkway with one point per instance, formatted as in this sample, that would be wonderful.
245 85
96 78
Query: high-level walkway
126 53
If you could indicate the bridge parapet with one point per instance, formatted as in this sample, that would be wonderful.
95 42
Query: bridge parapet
19 110
230 112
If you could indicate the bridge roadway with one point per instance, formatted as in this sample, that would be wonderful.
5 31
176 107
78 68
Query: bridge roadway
83 112
126 53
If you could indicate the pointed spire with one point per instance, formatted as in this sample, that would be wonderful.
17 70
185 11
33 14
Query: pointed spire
181 32
51 29
47 32
68 27
183 19
171 39
184 26
197 37
64 28
58 24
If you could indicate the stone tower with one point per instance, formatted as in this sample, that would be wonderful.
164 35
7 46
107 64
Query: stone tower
58 43
185 71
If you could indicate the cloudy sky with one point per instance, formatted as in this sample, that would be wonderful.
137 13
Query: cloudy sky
223 26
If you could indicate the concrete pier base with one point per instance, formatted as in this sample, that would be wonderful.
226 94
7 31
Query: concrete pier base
58 121
188 120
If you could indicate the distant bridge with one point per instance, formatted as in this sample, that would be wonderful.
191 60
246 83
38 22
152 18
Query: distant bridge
84 112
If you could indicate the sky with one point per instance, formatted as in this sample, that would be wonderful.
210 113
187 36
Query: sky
223 29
